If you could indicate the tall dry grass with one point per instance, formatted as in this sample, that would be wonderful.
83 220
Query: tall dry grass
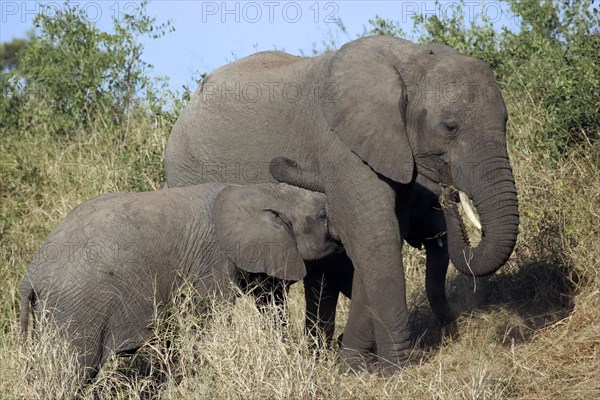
531 331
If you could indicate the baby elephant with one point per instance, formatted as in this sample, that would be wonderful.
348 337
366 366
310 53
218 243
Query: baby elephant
113 262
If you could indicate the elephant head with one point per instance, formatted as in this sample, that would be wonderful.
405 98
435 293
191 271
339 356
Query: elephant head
436 111
272 229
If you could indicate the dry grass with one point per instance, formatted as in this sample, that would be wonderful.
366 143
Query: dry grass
531 331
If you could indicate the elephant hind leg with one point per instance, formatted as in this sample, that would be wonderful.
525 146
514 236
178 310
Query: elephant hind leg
321 300
90 359
95 347
324 280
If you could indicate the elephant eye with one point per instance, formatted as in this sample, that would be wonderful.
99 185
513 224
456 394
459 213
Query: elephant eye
451 127
323 215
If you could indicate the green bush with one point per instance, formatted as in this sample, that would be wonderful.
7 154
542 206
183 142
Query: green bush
72 77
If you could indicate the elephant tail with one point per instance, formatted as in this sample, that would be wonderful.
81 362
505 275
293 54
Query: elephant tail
28 299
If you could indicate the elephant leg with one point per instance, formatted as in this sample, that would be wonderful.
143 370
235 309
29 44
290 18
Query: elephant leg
321 299
267 291
359 332
435 282
362 210
279 298
91 354
324 281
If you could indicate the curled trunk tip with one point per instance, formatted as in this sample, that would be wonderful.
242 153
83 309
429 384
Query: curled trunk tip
499 235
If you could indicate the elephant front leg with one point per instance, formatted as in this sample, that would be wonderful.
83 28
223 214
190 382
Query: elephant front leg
270 294
358 342
435 283
362 210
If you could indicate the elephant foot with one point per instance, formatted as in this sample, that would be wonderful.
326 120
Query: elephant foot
352 360
357 362
450 331
386 369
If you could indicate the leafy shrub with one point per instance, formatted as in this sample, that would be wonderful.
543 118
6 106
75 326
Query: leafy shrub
71 76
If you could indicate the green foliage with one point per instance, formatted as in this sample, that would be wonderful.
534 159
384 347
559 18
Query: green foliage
480 41
9 52
550 67
73 77
385 27
554 61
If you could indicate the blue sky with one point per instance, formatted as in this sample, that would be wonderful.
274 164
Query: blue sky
212 33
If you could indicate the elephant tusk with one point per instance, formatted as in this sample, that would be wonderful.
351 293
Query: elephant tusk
464 201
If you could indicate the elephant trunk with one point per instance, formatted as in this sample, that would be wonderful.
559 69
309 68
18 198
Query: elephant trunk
288 171
497 205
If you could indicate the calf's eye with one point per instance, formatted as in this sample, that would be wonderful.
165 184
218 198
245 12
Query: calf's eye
451 127
323 215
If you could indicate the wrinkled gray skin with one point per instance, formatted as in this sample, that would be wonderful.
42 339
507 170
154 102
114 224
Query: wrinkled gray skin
426 228
111 265
366 118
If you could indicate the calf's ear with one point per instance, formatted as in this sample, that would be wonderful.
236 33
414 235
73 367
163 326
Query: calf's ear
249 233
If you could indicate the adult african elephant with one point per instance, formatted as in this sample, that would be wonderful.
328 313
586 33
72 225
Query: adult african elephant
112 264
366 117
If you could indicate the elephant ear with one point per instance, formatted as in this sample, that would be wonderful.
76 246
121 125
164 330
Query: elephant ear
251 236
368 109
